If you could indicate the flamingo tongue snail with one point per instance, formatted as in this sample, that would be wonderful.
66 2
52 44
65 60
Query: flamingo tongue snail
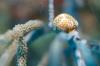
65 22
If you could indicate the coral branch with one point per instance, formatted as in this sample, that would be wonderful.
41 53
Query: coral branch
17 34
21 29
22 53
8 55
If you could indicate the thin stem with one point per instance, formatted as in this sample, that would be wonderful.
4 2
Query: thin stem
51 12
22 53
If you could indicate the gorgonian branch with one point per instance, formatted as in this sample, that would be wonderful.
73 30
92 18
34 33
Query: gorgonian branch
21 29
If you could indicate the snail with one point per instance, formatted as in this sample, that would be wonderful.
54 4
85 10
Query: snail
65 22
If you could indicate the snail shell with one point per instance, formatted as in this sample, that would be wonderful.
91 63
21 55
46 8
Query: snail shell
65 22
